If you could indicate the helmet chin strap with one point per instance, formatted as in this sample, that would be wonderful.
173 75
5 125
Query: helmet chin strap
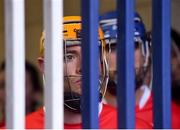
104 82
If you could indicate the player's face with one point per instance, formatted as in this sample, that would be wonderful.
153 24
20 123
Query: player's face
112 59
72 69
138 59
139 68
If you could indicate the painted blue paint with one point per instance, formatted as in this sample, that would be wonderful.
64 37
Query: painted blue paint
90 63
161 63
125 64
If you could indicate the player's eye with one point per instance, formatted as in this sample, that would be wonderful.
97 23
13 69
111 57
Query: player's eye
69 57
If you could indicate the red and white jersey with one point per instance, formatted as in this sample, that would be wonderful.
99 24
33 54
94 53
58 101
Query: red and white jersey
145 111
107 120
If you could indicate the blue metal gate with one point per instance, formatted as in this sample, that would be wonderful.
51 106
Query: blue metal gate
161 63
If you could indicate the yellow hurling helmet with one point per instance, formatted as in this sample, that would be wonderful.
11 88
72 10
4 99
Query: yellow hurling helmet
71 33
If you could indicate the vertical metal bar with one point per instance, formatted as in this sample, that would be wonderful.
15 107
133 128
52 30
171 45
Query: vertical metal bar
53 11
14 36
125 64
90 61
161 63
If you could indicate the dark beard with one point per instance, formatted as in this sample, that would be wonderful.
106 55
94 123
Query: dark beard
111 87
139 79
112 83
175 91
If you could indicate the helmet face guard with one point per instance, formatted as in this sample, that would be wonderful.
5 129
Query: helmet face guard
108 23
72 38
